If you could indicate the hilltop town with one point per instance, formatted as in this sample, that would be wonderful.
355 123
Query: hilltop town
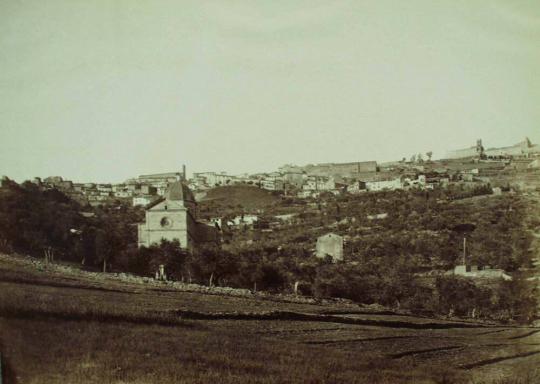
329 210
468 168
334 211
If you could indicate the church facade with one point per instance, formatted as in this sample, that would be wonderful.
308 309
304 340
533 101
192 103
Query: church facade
174 217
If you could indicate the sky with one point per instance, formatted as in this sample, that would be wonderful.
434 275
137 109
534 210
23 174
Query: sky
106 90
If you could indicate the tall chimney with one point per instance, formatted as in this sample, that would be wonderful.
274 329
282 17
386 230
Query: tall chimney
184 172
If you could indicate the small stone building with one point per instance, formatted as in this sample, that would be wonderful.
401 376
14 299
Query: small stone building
482 272
330 245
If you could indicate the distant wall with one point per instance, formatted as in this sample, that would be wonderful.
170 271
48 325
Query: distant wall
341 169
463 153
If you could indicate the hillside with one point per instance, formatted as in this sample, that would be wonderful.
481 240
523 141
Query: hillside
93 328
226 198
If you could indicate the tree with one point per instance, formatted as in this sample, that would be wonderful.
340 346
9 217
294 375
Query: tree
209 265
171 255
457 295
518 300
102 248
429 154
269 277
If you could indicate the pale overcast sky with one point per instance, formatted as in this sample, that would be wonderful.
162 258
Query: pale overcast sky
107 90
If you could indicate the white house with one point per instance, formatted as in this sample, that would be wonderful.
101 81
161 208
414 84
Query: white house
480 272
356 187
143 200
382 185
330 245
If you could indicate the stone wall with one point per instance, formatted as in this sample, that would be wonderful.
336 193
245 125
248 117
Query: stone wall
132 281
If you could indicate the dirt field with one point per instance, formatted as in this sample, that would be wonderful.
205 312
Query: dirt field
68 329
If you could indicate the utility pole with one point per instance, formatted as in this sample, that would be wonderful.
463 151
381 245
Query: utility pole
464 250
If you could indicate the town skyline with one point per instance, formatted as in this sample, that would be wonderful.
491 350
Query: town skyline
190 172
248 87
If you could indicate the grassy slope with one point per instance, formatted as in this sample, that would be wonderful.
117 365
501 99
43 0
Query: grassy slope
80 331
249 197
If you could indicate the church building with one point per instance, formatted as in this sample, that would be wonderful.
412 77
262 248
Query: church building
174 216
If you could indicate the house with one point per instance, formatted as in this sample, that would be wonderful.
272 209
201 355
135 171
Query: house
143 200
480 272
305 193
173 217
212 179
330 245
378 216
246 220
124 194
104 188
95 200
148 189
53 180
326 184
133 187
382 185
310 184
356 187
295 179
286 218
272 184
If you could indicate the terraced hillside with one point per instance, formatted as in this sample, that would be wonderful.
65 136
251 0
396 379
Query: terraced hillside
86 328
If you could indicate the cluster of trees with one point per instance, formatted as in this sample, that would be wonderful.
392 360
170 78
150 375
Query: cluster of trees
503 300
260 268
418 158
383 257
47 223
390 281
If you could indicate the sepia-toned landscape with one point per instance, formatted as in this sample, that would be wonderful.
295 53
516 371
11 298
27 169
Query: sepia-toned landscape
257 192
258 306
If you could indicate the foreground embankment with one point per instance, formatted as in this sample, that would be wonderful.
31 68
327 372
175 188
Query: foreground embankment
62 325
